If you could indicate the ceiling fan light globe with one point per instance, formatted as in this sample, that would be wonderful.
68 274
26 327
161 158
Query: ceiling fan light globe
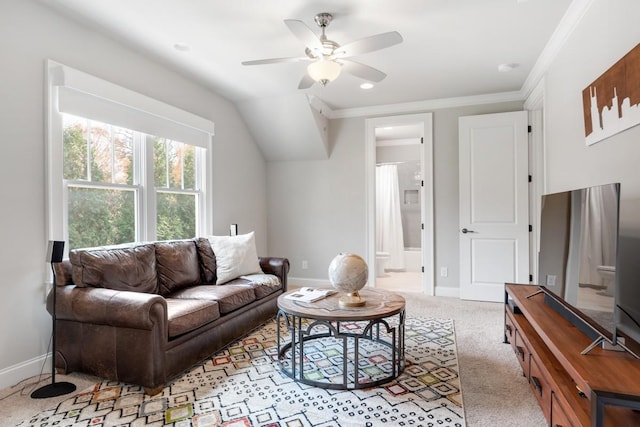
324 71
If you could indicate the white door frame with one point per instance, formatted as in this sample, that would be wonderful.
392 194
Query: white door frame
428 278
535 104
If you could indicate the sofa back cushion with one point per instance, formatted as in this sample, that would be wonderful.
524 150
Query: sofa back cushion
208 265
125 268
178 265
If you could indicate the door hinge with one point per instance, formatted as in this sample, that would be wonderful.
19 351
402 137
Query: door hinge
530 178
529 129
423 268
422 226
422 183
421 140
530 278
530 228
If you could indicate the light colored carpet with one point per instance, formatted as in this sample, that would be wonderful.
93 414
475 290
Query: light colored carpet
494 391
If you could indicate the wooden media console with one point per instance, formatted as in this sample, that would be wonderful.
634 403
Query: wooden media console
601 388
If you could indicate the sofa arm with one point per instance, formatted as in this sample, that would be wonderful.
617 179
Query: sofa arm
109 307
276 266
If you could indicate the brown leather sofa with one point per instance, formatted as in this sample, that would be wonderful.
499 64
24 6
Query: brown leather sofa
143 313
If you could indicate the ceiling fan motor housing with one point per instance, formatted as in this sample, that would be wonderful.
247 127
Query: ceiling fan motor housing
323 19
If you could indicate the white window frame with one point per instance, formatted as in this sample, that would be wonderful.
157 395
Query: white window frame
146 115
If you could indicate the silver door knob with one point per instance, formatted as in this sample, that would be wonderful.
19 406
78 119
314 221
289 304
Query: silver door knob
465 231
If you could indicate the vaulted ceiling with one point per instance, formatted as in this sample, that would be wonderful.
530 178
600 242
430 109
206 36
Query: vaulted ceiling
450 48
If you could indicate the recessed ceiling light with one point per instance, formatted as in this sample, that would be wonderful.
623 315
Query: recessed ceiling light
182 47
505 68
366 86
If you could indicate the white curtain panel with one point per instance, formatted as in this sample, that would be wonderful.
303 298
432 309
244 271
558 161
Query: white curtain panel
599 225
389 236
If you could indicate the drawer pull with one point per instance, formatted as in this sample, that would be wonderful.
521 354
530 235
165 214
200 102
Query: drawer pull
508 328
520 352
536 384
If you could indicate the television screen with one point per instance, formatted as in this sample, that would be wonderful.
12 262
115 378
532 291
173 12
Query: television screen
578 252
628 270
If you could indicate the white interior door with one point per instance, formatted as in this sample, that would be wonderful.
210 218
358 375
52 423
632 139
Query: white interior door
494 226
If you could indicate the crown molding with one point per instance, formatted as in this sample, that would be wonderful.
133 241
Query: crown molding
428 105
574 14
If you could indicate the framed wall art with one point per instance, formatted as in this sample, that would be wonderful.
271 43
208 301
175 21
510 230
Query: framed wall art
611 103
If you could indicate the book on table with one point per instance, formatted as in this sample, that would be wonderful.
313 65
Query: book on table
308 294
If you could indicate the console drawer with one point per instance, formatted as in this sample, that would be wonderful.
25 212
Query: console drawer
510 329
559 417
522 353
541 388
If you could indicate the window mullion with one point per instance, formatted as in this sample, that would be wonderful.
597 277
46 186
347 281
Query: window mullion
88 139
147 218
113 153
182 150
167 182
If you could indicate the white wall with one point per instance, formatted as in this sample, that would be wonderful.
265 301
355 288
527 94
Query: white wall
30 34
606 33
317 209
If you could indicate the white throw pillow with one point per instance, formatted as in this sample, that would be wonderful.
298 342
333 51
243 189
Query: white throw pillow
235 256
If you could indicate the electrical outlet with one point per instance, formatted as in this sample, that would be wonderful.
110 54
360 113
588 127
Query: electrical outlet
551 280
305 264
444 271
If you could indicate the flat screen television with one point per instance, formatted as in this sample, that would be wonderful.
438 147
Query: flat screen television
589 262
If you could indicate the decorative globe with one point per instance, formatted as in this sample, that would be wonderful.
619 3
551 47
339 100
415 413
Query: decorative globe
348 273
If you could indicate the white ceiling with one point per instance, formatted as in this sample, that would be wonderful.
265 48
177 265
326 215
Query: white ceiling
451 48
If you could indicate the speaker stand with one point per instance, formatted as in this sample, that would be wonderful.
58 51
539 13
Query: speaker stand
54 389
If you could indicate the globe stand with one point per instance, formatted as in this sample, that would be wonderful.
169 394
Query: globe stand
352 299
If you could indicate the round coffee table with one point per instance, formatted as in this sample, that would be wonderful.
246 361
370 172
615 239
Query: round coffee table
325 345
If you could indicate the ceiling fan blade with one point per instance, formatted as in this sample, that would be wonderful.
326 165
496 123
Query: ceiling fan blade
306 82
368 44
275 60
363 71
304 34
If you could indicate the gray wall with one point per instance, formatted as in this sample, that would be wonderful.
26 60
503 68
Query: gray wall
608 30
31 34
317 209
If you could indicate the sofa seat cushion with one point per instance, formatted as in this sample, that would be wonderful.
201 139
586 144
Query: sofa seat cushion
185 315
229 297
123 268
263 284
177 264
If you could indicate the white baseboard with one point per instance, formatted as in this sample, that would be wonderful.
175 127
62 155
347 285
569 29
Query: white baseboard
299 282
14 374
446 291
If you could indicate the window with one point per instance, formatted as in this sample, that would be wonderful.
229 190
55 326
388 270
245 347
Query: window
104 184
175 175
120 173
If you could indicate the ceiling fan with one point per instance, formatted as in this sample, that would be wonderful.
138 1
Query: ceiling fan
328 58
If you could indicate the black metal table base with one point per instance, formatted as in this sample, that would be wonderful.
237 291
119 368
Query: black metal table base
300 333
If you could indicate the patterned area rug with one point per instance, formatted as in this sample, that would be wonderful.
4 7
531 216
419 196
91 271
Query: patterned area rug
242 386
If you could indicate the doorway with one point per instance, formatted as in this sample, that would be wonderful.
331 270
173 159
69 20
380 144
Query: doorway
400 203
